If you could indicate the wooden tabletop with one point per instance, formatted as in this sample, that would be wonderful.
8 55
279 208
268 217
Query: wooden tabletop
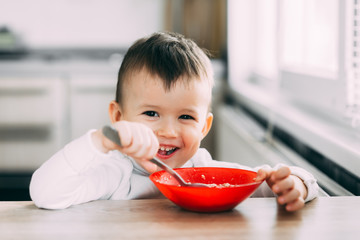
255 218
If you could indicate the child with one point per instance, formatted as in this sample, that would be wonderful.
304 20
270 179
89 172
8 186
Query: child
162 109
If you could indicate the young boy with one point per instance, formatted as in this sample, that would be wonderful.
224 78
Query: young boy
161 109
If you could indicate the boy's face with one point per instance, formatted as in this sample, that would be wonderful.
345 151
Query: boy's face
178 117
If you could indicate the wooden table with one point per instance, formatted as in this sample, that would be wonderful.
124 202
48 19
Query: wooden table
255 218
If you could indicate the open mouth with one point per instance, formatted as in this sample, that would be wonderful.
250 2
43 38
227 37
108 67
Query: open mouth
166 150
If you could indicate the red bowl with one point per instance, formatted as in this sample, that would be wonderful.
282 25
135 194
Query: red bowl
232 187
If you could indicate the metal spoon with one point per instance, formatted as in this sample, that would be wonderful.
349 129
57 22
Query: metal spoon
112 134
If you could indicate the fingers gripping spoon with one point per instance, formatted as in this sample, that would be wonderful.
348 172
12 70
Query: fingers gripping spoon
112 134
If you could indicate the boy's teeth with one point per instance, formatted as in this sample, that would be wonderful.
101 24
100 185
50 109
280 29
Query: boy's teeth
165 149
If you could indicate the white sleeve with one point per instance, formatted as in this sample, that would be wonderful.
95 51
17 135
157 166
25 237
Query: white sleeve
79 173
307 178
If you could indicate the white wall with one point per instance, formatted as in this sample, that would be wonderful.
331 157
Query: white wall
82 23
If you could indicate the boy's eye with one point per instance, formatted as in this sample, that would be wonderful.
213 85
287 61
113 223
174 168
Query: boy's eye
151 113
187 117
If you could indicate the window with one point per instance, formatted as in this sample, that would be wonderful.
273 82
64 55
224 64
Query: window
309 33
296 63
252 41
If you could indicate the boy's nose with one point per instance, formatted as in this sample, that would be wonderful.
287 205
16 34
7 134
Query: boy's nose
167 130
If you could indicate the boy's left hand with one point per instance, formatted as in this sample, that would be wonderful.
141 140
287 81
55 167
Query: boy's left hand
290 189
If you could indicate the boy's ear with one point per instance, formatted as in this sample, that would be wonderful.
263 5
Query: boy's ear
114 112
208 124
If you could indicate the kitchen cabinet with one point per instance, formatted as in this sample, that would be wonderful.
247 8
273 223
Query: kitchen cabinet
31 120
44 105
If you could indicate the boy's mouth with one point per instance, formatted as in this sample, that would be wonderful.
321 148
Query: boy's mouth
166 151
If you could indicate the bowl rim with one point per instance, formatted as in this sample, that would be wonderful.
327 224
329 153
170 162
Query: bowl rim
152 176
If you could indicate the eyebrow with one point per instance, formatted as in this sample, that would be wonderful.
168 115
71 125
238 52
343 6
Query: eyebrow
187 110
148 106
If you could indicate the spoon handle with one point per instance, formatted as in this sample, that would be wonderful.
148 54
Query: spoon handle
112 134
162 165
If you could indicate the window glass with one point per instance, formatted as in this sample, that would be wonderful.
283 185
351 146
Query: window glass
310 34
265 39
252 41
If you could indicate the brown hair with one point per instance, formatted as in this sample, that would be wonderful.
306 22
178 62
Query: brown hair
167 55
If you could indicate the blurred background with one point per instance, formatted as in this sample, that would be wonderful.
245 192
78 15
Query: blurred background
287 79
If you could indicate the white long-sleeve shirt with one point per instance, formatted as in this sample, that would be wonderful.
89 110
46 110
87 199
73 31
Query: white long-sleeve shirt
80 173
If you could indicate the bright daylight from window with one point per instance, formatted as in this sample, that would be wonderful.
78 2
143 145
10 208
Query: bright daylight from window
296 64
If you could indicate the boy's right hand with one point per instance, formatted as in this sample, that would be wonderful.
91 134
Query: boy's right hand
138 141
